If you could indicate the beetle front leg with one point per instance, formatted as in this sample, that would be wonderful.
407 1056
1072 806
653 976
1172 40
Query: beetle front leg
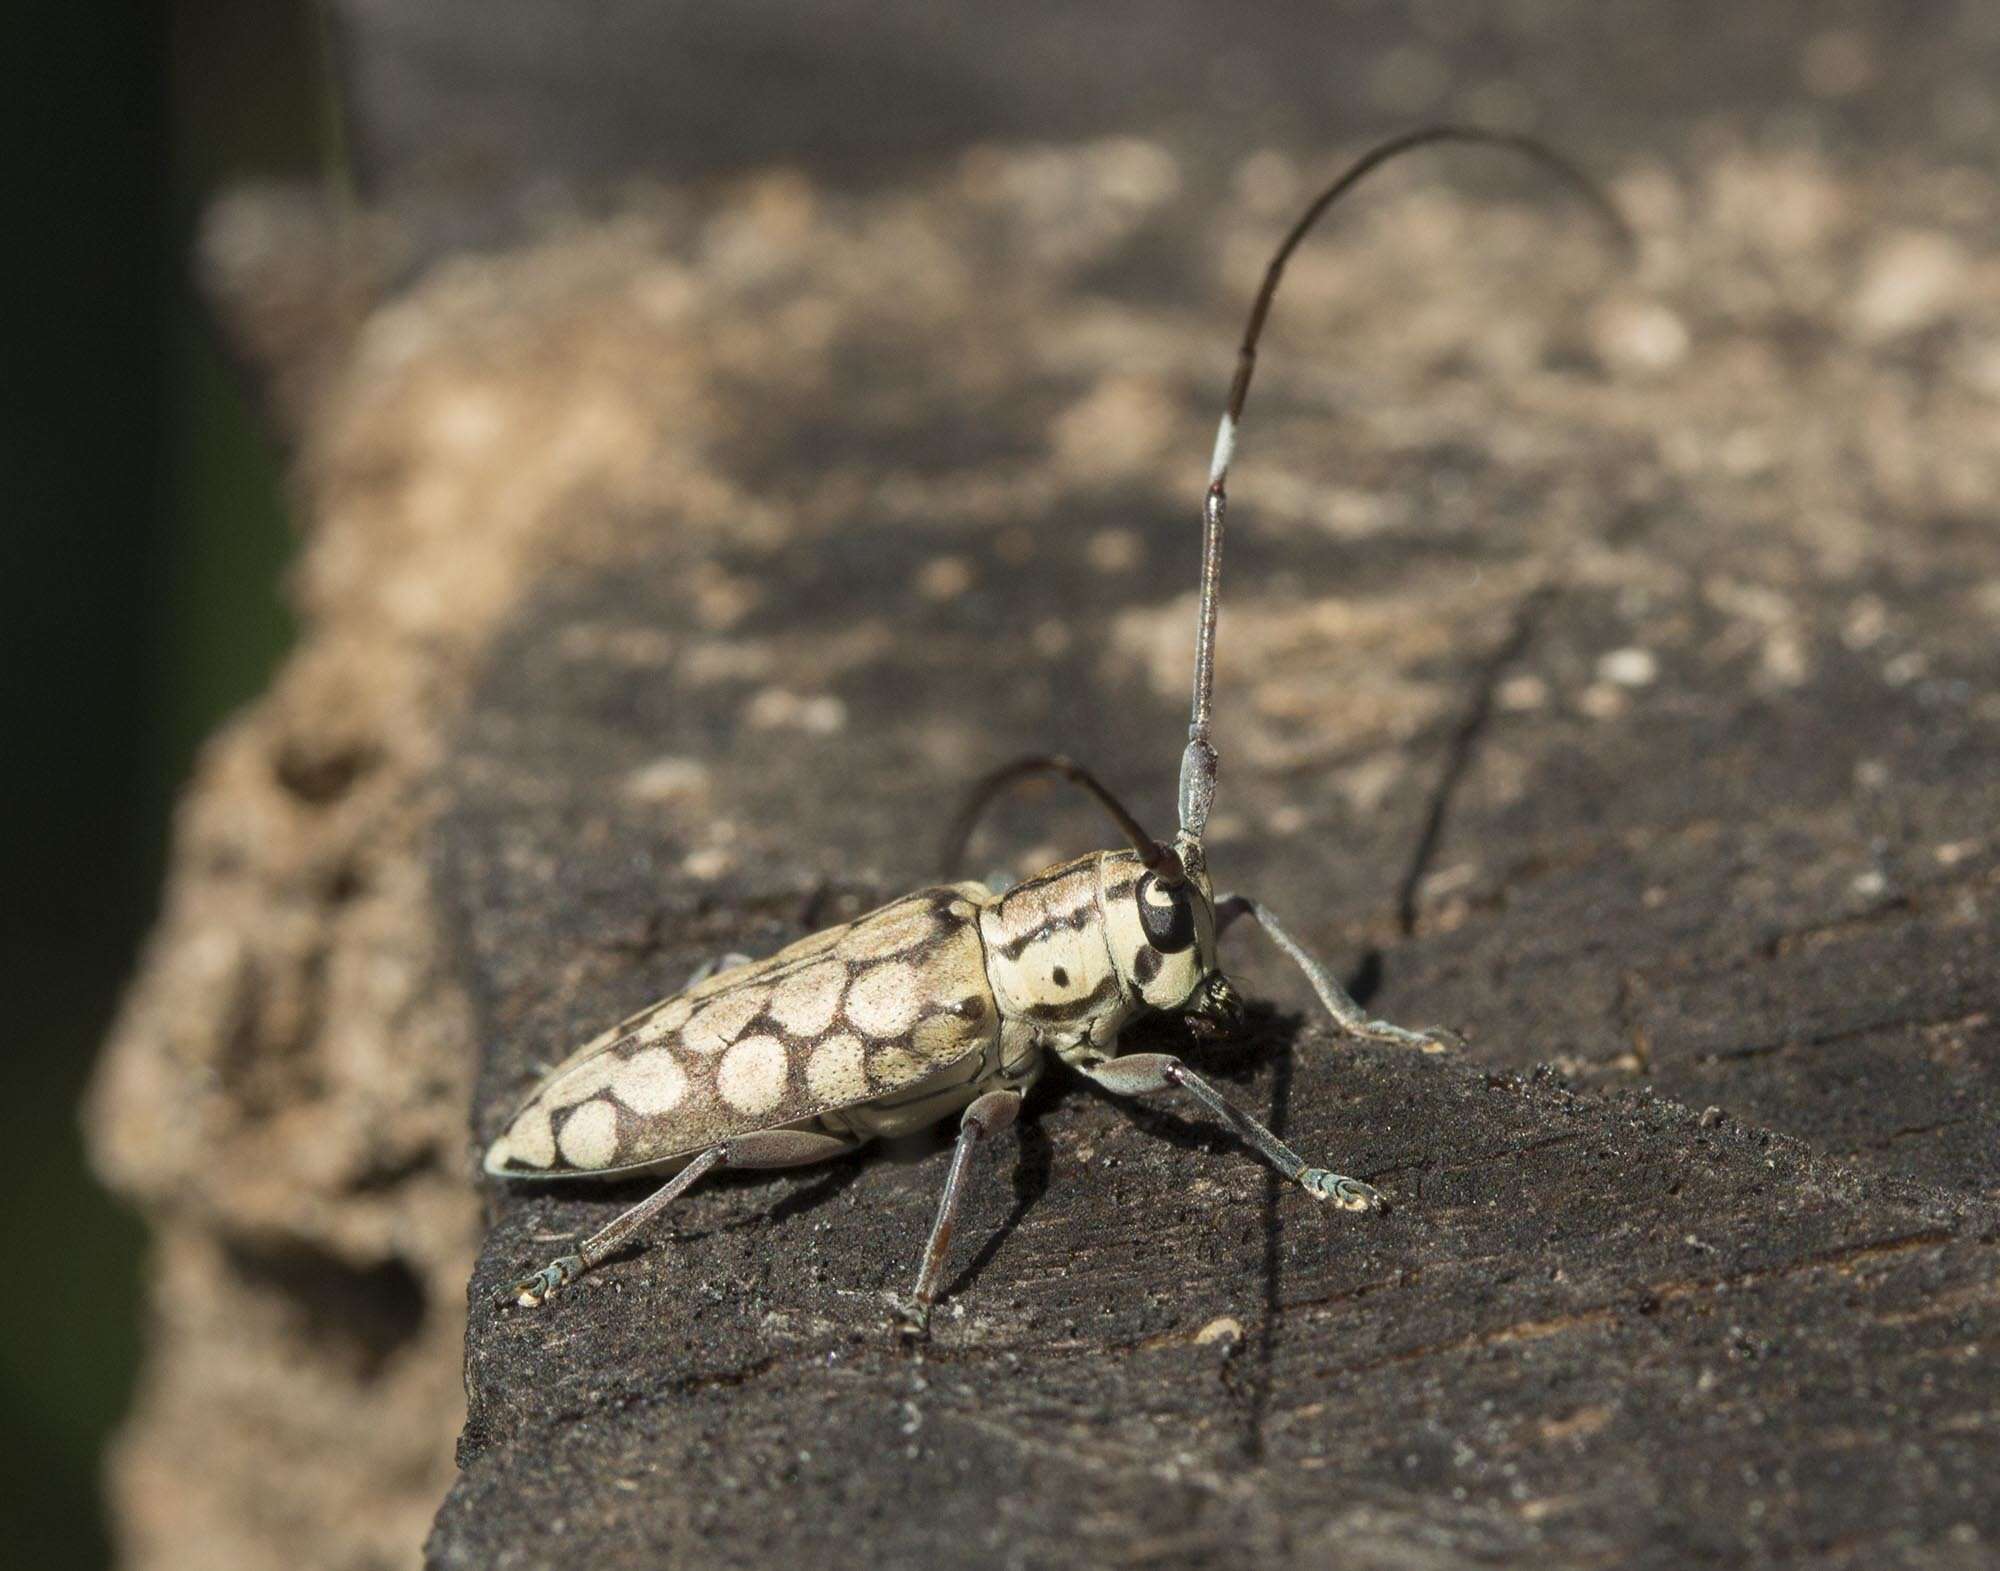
1138 1074
1347 1014
987 1116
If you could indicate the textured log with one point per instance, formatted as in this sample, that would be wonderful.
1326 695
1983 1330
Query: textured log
1711 763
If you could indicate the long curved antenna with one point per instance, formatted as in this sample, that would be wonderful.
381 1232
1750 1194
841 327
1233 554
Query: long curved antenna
1158 859
1198 763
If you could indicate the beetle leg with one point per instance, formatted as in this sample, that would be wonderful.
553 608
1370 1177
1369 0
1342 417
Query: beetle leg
768 1148
713 966
1347 1014
1137 1074
987 1116
564 1269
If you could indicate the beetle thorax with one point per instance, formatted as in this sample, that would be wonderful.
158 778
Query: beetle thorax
1047 957
1074 952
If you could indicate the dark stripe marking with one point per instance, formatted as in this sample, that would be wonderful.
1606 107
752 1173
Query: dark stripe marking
1070 921
1075 1008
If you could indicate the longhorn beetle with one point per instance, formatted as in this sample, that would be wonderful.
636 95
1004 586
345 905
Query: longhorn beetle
951 1000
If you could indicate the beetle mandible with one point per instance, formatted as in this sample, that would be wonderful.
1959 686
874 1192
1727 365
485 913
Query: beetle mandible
952 1000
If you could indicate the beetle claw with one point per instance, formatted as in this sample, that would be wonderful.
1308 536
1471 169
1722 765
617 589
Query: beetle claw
912 1319
1350 1194
531 1291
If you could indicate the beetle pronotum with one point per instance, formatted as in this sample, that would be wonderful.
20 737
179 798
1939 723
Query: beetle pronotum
953 999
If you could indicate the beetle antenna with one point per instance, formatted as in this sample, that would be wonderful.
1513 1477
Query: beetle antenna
1160 860
1198 763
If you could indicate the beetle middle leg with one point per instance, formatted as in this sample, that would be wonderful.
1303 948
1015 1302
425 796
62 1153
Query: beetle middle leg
1347 1014
1138 1074
715 965
986 1117
769 1148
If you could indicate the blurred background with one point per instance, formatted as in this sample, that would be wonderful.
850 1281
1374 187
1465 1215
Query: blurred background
144 542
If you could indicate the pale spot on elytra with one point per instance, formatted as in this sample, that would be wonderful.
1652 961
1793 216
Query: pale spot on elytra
723 1021
805 1001
587 1079
650 1082
835 1074
752 1076
530 1142
883 1001
589 1136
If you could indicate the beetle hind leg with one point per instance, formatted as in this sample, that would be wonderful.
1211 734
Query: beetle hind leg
530 1291
766 1148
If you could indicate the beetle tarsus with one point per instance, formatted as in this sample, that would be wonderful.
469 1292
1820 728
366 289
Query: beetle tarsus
1350 1194
1434 1039
910 1317
531 1291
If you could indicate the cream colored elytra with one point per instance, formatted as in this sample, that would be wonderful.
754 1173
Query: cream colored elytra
880 1027
954 999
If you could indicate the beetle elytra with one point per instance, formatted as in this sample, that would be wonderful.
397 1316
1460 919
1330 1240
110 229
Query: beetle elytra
953 1000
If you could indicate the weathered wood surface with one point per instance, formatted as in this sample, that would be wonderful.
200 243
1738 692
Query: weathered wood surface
1709 837
1609 669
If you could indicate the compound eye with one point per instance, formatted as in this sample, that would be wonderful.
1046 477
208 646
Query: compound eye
1166 915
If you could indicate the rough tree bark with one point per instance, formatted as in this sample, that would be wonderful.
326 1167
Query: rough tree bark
1608 669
